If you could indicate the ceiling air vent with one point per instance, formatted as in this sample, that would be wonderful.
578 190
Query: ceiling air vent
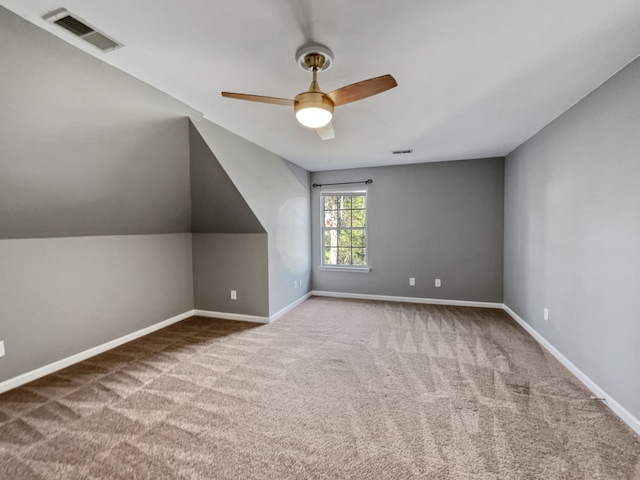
402 152
81 29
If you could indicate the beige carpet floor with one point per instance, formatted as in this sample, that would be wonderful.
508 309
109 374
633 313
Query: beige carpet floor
335 389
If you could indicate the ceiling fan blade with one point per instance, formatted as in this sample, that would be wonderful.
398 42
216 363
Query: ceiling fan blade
360 90
259 98
326 132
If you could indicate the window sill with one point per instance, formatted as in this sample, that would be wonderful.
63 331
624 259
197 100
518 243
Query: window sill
328 268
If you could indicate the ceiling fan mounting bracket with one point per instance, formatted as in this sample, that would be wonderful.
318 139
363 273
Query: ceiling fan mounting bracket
314 55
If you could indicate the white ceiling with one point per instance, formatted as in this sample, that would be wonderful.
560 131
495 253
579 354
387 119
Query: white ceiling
476 77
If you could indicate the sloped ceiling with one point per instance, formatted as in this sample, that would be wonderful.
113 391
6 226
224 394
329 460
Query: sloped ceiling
216 204
125 161
84 148
476 77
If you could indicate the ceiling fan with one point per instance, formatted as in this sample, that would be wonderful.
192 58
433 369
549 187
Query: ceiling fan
313 107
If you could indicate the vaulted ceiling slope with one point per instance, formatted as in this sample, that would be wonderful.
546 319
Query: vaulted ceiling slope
476 77
86 149
216 204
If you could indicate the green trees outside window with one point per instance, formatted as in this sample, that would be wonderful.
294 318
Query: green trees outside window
344 240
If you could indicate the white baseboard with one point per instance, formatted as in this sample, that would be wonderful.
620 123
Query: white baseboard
618 409
391 298
288 308
231 316
92 352
27 377
251 318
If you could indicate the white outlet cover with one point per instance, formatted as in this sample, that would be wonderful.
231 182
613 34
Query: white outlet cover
2 348
412 281
546 314
233 295
438 282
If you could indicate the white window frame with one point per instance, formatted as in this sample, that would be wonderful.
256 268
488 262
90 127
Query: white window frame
345 268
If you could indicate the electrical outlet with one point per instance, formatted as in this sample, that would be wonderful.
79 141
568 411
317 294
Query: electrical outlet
295 284
2 348
412 281
438 282
545 314
233 295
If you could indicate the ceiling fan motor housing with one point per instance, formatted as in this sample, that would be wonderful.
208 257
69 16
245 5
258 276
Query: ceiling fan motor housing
311 99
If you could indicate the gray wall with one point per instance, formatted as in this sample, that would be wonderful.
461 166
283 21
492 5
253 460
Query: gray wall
278 193
237 188
433 220
87 151
84 148
572 235
226 255
61 296
224 262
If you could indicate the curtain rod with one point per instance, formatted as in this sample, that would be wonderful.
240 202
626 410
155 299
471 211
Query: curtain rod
366 182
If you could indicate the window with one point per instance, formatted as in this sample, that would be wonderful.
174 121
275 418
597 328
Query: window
344 229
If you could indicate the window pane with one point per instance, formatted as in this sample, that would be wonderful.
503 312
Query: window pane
330 202
357 218
331 238
330 256
330 218
358 255
357 238
358 201
345 218
344 238
344 256
345 202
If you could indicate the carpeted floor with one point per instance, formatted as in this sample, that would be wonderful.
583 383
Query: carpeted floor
335 389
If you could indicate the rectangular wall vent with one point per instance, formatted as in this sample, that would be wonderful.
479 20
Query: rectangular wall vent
402 152
75 26
81 29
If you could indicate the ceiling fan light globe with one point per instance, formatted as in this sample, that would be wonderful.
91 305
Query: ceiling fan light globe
313 117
